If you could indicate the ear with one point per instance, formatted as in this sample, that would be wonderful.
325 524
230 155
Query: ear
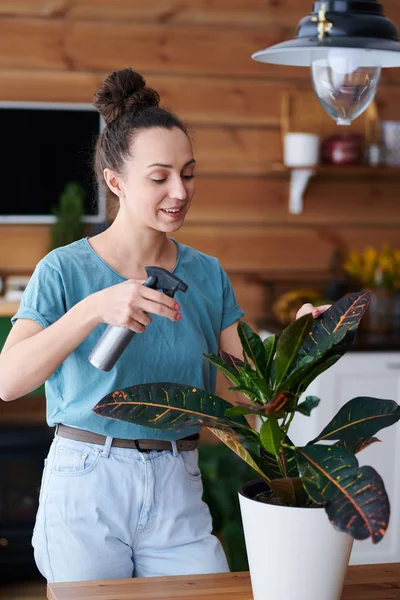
114 182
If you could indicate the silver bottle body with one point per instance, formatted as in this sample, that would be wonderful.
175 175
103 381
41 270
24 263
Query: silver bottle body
110 347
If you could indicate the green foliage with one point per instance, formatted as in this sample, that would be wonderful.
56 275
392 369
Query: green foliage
273 376
69 226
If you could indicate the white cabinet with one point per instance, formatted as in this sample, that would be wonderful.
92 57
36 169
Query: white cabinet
375 374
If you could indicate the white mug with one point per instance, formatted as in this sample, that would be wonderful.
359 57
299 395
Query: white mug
301 149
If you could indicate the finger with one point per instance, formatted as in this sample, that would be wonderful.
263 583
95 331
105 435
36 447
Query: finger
318 310
324 307
160 298
136 326
160 309
304 310
142 317
136 281
137 316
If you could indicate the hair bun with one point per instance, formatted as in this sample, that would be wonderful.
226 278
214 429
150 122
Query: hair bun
123 92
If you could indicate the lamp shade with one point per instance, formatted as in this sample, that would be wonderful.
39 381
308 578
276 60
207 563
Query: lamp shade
339 24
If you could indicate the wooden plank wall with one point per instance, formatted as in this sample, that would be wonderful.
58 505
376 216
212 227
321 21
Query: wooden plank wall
197 54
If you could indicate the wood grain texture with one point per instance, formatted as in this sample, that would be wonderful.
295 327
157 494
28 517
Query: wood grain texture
365 582
248 13
88 45
242 249
359 201
236 150
64 44
256 248
230 100
22 246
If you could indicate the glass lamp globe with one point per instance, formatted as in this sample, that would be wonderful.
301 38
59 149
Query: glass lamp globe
343 86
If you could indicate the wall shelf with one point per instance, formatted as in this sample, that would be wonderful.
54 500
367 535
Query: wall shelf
300 178
301 112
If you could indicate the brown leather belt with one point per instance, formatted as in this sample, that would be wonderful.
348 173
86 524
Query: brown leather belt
81 435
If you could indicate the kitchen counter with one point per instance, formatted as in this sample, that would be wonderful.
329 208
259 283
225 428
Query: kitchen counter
375 582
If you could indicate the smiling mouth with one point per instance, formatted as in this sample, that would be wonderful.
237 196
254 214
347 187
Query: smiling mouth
172 211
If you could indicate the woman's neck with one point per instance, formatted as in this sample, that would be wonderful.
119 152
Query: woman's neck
128 251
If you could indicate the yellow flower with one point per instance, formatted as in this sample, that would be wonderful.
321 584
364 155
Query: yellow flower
375 268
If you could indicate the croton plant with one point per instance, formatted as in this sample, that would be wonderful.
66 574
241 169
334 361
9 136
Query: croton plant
273 376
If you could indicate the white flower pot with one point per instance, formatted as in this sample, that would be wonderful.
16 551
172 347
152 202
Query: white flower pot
293 553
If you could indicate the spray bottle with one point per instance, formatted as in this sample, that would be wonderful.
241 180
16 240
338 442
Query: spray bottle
115 339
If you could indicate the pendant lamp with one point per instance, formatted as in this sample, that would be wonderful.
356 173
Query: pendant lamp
346 44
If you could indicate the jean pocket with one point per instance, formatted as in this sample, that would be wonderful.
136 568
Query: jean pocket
72 461
189 461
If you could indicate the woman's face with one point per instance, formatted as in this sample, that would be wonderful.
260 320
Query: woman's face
157 183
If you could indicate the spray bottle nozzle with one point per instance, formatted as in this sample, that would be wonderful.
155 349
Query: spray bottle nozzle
163 280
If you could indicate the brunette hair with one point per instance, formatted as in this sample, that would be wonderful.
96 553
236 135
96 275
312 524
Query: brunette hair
127 105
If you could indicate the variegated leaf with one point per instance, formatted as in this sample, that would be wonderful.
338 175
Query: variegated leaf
238 448
355 498
168 406
361 417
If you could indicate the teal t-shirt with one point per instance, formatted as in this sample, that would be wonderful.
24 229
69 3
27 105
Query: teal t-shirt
166 352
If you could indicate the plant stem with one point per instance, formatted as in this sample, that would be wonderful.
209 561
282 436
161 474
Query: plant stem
282 461
287 425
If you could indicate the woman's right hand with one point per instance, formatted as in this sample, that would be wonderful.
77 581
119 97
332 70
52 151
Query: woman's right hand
127 304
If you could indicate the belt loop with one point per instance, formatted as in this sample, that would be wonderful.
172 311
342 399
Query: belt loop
107 446
174 449
56 429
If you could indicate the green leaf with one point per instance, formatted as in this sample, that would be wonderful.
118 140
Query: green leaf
252 385
270 349
253 347
361 417
240 410
231 360
270 436
355 498
305 373
227 364
343 318
269 464
289 343
287 459
314 370
249 393
169 406
358 445
239 449
308 405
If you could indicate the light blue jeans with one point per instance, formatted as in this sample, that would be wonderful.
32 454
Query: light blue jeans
110 513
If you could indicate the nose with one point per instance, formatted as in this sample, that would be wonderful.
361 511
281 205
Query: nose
178 190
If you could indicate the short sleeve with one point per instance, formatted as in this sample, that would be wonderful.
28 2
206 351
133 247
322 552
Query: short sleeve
231 310
43 300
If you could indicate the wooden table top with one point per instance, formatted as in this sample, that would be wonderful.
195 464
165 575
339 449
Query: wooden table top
364 582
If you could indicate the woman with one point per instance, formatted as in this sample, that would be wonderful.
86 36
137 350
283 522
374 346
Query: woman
110 506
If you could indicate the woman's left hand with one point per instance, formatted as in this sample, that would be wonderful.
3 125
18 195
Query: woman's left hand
308 308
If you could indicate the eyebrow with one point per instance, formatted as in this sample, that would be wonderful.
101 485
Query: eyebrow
190 162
